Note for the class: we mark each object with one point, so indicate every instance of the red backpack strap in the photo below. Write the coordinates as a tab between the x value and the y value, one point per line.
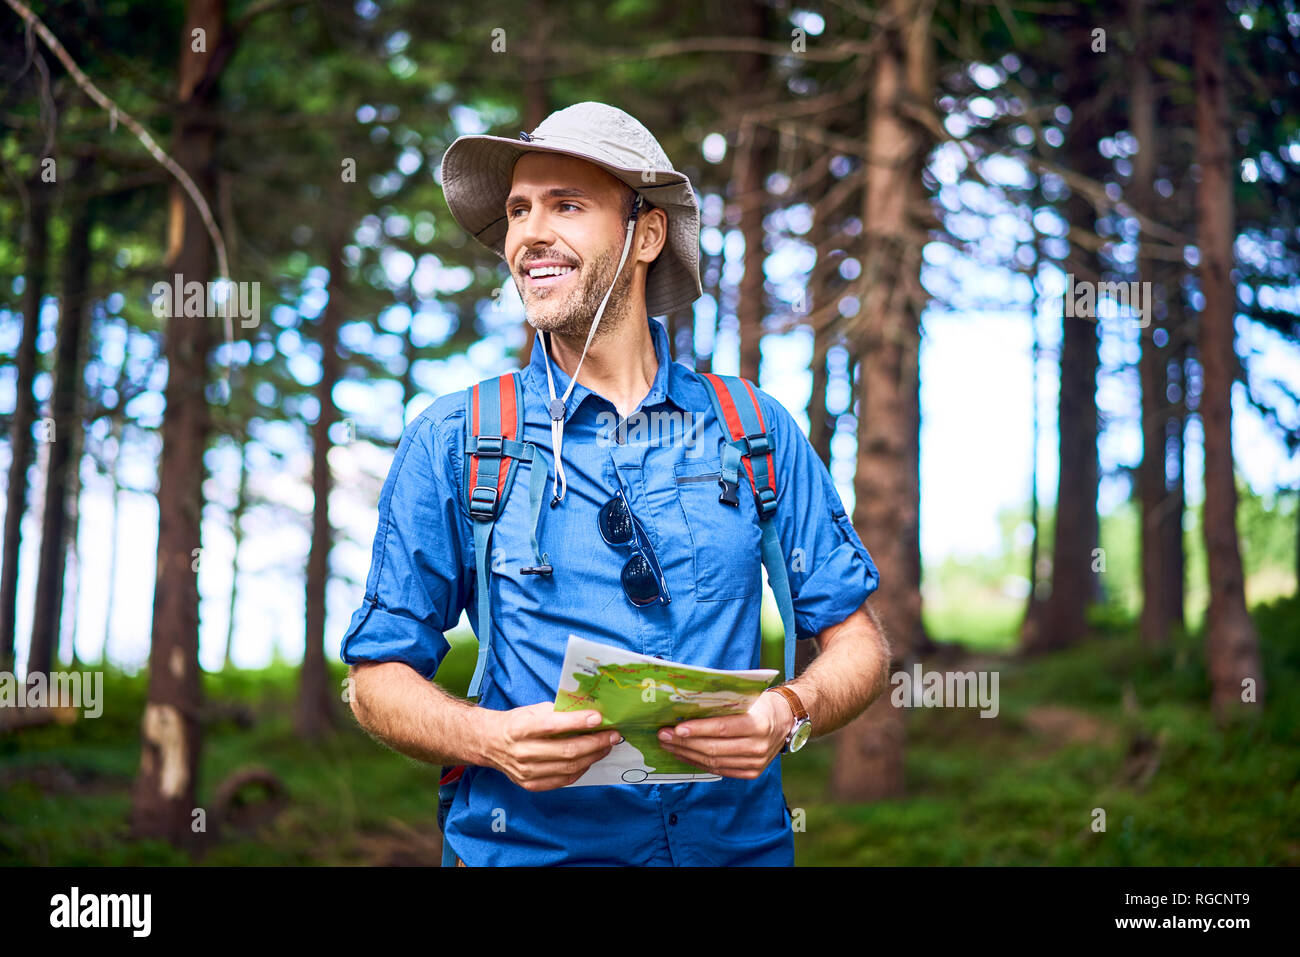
492	449
736	405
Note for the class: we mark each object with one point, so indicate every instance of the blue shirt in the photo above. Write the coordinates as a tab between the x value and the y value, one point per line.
422	577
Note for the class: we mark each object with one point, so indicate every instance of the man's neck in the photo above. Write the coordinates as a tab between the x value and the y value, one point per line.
620	365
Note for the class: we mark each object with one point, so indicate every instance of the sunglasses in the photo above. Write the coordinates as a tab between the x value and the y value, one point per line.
643	579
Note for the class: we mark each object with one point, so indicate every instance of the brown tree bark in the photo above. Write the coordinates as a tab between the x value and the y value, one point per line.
821	424
537	107
35	274
822	287
1063	619
316	713
886	338
1154	623
60	474
752	156
1231	645
164	796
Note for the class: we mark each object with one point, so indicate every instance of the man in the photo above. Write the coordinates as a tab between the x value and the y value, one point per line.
559	205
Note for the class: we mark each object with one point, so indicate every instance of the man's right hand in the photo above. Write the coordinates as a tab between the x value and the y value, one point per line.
523	744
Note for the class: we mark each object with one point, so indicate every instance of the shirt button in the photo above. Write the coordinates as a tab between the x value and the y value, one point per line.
672	819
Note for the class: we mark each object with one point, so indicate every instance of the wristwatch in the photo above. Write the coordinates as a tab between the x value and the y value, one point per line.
802	729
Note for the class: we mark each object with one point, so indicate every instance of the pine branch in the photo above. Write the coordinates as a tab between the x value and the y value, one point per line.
156	151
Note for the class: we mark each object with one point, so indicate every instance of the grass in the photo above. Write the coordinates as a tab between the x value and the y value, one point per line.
1016	789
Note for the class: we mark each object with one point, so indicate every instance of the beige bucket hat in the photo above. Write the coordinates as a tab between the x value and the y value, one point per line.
477	169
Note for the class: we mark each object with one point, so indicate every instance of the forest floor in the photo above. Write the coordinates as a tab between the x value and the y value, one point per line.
1107	725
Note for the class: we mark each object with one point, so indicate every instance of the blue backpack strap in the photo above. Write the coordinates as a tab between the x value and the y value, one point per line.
448	782
735	403
493	424
493	450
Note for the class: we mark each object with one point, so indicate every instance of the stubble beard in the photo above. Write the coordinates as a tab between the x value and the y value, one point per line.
570	316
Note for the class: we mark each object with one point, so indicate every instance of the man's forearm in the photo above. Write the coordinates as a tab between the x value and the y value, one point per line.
851	671
415	717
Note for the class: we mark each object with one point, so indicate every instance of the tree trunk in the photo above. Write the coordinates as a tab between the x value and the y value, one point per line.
1171	528
1064	618
751	160
537	107
1231	645
35	266
72	540
119	430
821	424
886	337
52	563
315	703
164	797
1031	623
1153	364
711	284
237	533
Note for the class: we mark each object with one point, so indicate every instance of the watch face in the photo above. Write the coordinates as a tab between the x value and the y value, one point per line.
800	736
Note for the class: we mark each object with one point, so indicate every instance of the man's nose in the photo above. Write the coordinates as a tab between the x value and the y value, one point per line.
534	229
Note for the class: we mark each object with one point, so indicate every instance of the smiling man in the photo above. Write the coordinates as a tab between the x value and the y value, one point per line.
601	233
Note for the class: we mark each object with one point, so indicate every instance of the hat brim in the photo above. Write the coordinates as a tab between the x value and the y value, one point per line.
476	175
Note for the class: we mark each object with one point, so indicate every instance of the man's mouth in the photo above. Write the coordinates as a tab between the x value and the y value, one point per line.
543	277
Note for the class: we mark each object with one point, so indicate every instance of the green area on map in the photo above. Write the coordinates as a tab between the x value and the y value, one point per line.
640	698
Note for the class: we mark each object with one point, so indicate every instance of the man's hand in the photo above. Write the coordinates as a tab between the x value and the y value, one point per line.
523	745
737	745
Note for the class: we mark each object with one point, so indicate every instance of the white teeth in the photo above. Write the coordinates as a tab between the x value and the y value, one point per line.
549	271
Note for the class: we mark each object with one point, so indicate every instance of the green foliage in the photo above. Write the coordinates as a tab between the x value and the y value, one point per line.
976	601
1001	792
982	791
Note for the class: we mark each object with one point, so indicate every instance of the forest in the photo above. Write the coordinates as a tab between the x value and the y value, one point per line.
1027	273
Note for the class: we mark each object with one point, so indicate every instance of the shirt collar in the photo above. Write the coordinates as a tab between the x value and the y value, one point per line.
671	382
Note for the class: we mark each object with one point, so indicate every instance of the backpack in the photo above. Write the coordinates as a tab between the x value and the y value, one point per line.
492	456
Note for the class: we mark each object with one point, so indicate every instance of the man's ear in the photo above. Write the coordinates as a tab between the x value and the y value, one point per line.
653	230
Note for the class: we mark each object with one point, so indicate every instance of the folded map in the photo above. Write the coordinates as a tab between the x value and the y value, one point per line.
640	694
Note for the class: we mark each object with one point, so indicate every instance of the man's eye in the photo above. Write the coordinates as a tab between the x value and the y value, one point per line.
510	214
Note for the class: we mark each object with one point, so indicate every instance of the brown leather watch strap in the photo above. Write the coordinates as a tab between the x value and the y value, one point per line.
800	712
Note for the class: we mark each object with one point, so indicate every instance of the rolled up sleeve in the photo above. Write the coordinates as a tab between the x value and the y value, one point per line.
831	571
417	585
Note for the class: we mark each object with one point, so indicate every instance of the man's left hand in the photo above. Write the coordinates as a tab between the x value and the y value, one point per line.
736	745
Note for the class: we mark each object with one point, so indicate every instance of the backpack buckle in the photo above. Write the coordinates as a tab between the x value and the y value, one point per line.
483	502
729	489
488	446
758	444
766	502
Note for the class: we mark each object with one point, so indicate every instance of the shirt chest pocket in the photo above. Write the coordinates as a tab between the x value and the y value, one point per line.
726	540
